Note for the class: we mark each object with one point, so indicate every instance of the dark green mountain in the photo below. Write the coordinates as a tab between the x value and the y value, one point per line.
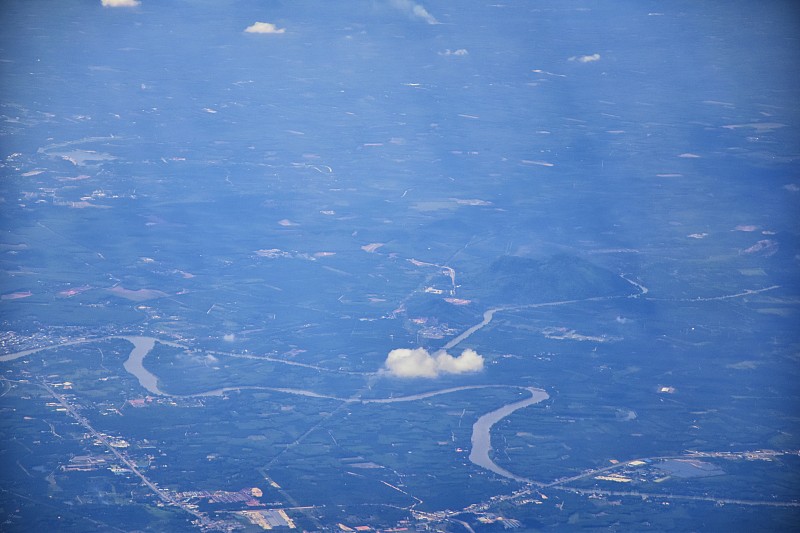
520	280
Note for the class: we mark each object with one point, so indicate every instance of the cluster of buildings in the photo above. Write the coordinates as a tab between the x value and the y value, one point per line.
246	496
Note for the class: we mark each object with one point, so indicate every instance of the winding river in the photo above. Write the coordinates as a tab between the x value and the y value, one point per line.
481	430
482	434
480	453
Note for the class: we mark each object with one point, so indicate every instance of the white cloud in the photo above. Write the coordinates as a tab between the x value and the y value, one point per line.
419	363
459	52
120	3
585	59
414	10
264	27
416	363
468	361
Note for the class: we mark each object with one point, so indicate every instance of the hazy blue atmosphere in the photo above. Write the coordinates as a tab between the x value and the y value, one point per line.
383	265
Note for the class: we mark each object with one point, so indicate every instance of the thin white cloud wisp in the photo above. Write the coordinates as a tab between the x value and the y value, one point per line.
414	10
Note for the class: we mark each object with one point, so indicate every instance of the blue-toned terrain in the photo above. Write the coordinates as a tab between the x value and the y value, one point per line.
384	265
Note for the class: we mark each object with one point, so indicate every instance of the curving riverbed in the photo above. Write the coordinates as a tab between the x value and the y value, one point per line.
482	434
481	430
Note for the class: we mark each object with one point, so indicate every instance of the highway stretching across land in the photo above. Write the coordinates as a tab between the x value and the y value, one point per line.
162	494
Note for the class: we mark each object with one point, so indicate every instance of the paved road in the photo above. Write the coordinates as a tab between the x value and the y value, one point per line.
162	494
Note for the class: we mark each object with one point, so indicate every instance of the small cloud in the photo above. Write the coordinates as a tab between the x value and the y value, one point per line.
585	59
414	10
264	27
416	363
120	3
419	363
468	361
459	52
745	227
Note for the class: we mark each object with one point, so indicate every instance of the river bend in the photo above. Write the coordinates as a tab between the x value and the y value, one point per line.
481	430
